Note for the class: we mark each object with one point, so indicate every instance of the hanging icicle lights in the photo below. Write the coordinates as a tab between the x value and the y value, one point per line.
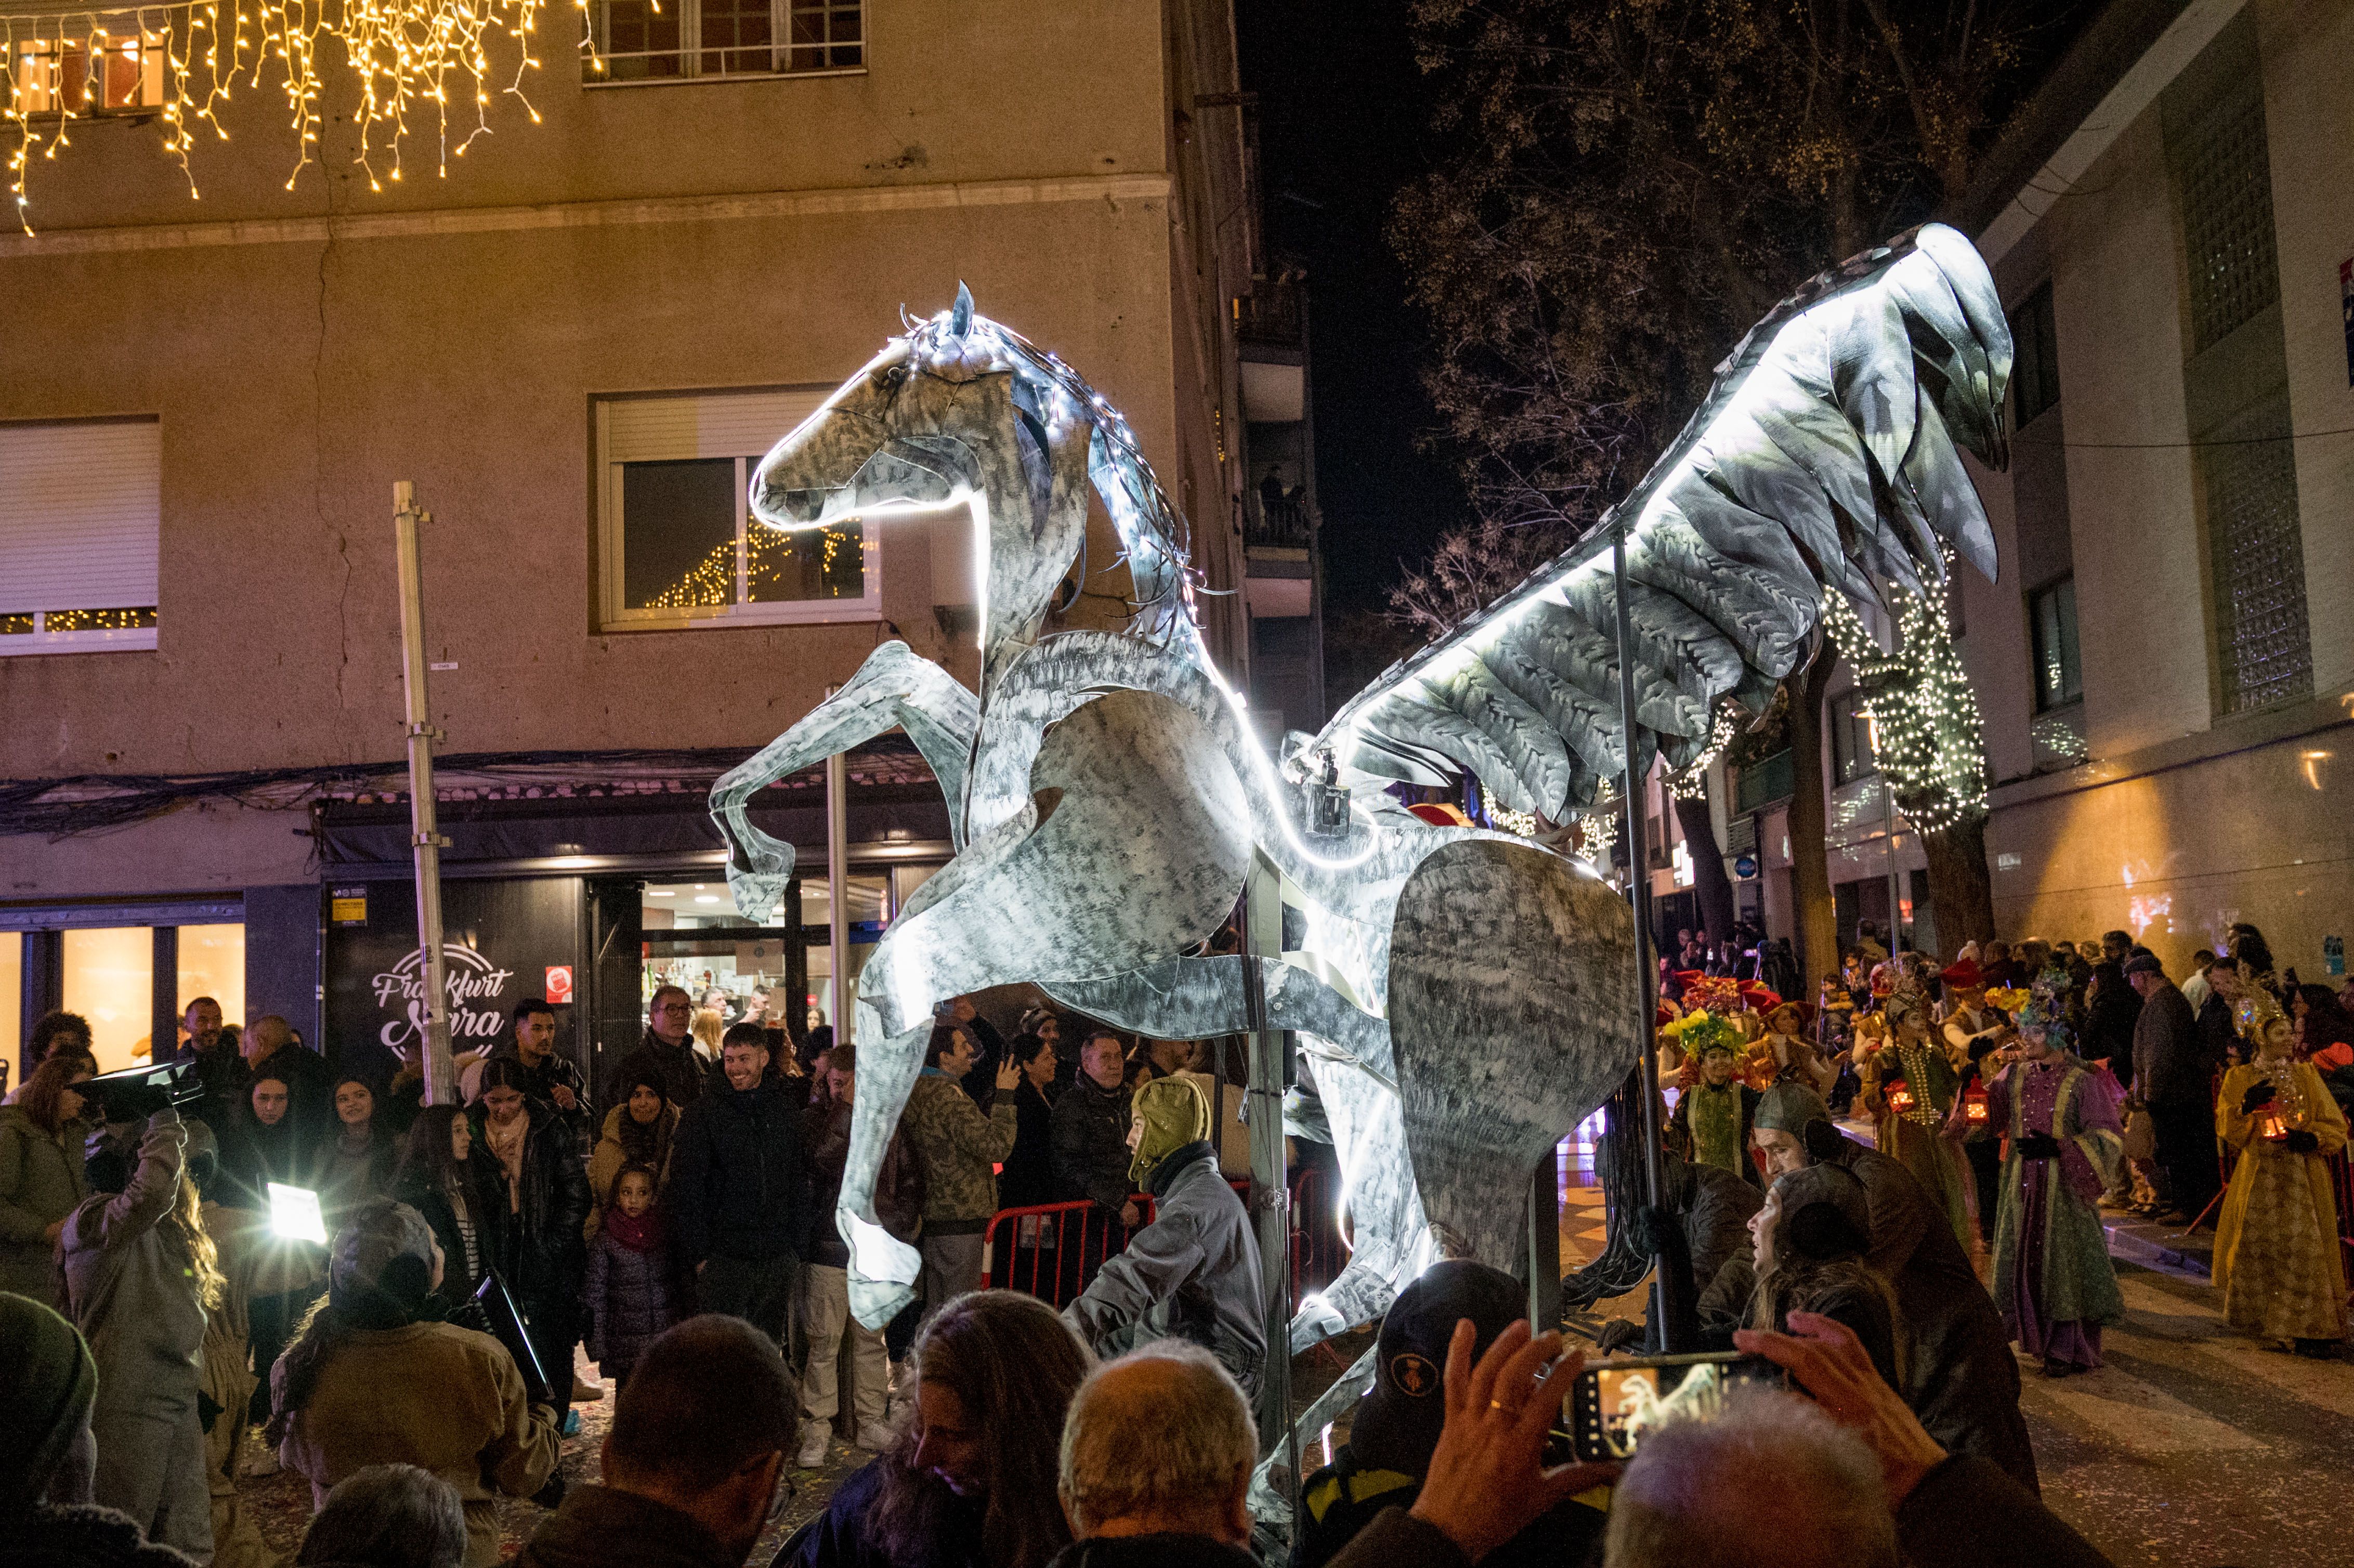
410	60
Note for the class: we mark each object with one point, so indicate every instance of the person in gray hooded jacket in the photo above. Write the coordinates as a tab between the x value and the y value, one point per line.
141	1274
1193	1273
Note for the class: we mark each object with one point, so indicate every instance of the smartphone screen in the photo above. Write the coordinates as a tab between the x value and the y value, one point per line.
1613	1403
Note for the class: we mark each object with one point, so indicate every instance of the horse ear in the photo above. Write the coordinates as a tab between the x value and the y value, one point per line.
961	314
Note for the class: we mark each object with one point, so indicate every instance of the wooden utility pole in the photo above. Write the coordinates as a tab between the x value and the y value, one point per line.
424	833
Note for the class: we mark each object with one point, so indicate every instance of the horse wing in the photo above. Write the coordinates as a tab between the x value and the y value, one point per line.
1823	459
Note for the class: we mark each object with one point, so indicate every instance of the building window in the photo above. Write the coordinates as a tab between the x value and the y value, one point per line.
2264	645
1850	739
2224	182
646	40
2035	361
2052	617
78	509
98	73
680	545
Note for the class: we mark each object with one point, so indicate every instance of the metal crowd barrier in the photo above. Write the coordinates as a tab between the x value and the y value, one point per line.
1053	1250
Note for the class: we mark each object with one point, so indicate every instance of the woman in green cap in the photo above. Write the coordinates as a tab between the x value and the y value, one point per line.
1193	1273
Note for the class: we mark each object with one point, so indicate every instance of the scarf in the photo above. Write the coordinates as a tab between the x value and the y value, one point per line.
644	1234
507	1142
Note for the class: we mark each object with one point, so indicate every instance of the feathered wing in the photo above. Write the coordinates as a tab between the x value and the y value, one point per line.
1824	459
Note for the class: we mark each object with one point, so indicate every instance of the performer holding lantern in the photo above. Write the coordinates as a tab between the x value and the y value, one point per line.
2052	1279
1909	1087
2276	1248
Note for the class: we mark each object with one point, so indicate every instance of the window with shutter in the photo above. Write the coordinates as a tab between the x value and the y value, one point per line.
78	509
680	544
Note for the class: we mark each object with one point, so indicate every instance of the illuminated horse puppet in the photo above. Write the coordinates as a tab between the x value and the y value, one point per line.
1465	998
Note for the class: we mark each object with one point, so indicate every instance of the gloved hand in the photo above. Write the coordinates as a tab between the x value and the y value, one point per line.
2303	1142
2039	1146
2257	1095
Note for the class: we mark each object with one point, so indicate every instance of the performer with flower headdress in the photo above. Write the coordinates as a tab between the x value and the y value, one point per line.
1712	1119
2276	1249
2052	1279
1909	1087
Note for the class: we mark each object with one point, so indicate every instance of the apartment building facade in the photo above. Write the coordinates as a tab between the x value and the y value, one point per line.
573	345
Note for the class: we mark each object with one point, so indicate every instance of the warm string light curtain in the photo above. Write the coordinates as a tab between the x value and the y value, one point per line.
408	61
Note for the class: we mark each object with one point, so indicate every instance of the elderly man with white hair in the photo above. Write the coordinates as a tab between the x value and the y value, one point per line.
1156	1464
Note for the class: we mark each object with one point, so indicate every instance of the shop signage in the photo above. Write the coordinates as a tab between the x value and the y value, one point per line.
1744	866
559	992
478	991
501	939
348	906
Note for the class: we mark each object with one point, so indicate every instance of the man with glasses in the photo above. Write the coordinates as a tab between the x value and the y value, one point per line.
666	1052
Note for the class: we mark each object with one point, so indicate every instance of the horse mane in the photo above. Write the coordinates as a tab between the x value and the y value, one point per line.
1157	537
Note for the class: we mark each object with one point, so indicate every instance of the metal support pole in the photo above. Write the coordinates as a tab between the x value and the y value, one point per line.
1262	934
837	879
424	833
1888	843
1639	875
1544	1244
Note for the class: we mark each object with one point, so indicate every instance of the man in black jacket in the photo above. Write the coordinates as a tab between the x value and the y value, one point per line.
1091	1131
737	1188
2109	1023
2174	1078
666	1052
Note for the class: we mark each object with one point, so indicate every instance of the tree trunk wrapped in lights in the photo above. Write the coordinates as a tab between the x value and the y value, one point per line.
1930	748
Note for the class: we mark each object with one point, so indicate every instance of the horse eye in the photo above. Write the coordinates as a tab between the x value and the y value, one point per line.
894	378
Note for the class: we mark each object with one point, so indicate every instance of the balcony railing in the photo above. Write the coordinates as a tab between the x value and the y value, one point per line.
1282	525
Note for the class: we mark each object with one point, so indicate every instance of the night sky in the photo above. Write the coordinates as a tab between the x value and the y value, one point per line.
1342	118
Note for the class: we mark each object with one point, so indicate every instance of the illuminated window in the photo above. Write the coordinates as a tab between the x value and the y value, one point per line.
2051	619
12	989
78	510
96	73
680	545
109	979
675	41
212	963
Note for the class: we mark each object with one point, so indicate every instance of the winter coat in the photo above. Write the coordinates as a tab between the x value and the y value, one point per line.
537	1246
127	1280
1960	1377
2109	1021
435	1395
738	1184
40	1184
1191	1274
2172	1065
555	1072
960	1147
597	1526
344	1182
605	1164
844	1535
632	1295
682	1074
225	1078
83	1535
310	1090
1029	1176
1090	1141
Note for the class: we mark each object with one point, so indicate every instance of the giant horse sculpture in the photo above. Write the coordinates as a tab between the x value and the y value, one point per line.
1465	997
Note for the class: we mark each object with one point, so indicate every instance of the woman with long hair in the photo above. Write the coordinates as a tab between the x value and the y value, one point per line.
638	1132
141	1274
1810	1242
971	1483
374	1379
537	1195
2323	1030
41	1180
355	1165
439	1178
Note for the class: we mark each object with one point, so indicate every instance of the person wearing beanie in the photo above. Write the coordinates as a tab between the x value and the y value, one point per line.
141	1275
1396	1425
1960	1377
48	1384
374	1380
1193	1273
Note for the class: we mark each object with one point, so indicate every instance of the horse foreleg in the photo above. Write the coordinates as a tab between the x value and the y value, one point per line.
893	689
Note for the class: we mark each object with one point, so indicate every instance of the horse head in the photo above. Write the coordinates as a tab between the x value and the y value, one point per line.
953	414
